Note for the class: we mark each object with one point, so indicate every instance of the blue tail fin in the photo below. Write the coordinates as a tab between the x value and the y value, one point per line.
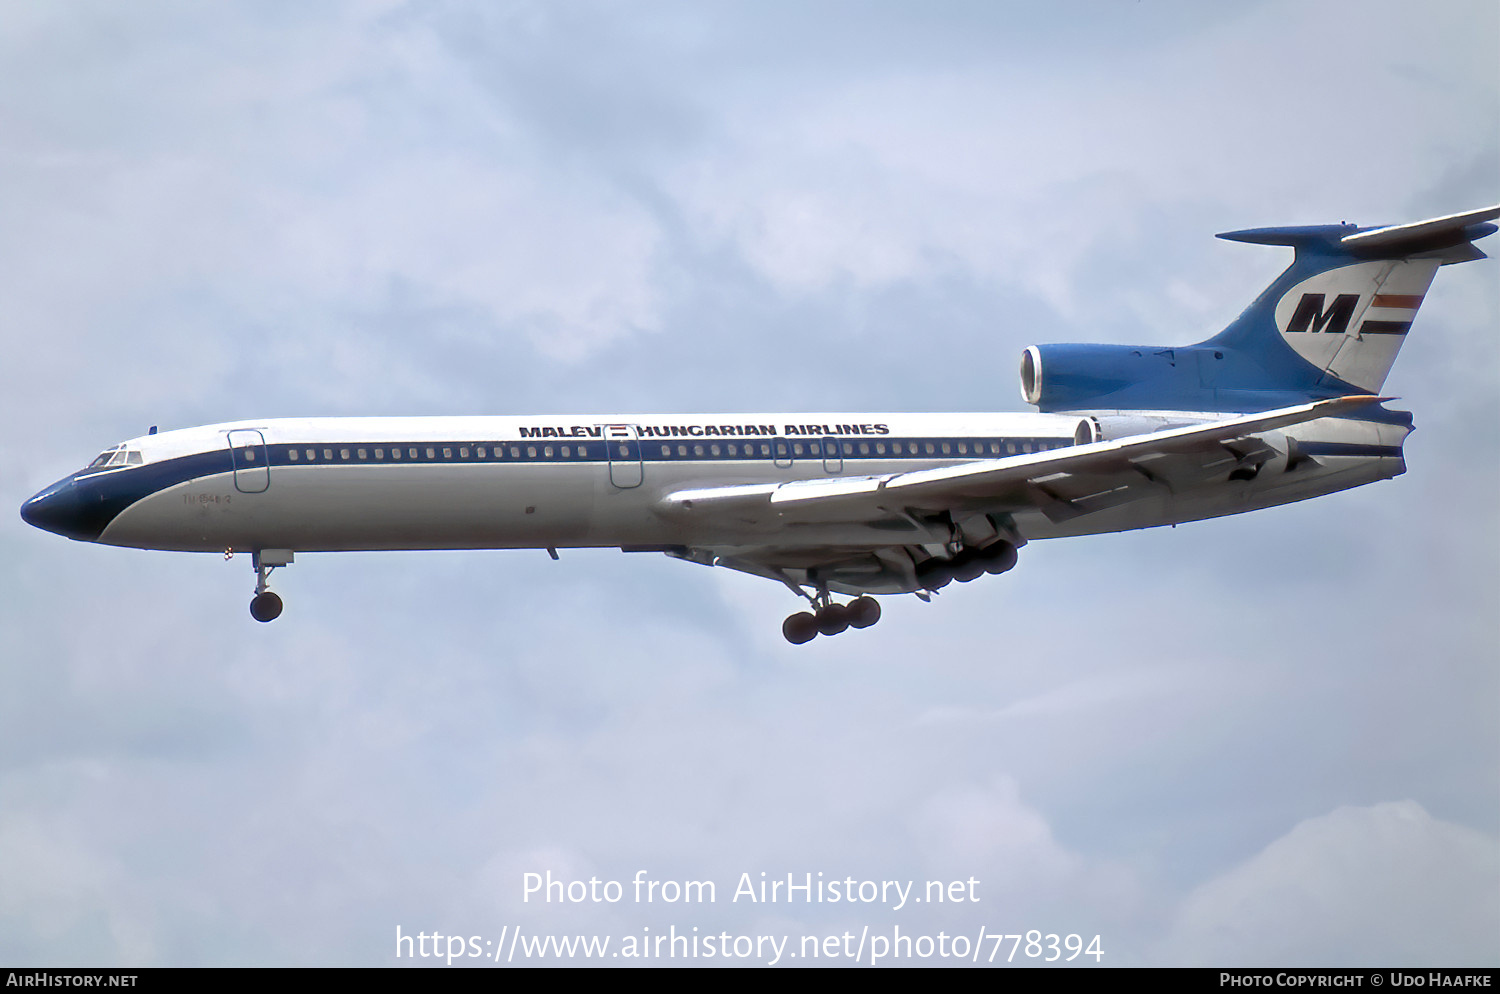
1329	326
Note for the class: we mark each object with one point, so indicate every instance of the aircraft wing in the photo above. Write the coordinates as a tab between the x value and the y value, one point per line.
1061	483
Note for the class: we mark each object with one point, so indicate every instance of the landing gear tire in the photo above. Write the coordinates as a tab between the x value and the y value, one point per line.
863	612
830	618
1000	558
936	576
833	619
265	607
799	628
967	567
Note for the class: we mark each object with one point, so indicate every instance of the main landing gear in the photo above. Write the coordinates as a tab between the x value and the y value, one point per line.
829	618
266	606
969	564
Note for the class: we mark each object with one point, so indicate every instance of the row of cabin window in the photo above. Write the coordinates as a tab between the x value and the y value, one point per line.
893	449
733	450
412	452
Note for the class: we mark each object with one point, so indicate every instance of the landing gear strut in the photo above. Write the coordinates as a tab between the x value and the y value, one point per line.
266	606
828	618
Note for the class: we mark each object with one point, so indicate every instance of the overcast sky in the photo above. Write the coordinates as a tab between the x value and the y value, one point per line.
1270	739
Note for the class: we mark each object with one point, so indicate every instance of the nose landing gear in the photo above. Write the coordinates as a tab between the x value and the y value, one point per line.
266	606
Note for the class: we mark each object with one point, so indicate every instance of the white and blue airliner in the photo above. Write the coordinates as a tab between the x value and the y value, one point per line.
1280	406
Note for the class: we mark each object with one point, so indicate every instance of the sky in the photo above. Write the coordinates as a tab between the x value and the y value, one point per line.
1263	740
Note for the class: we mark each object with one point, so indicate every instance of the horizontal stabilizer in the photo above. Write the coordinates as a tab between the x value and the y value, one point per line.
1437	232
1452	231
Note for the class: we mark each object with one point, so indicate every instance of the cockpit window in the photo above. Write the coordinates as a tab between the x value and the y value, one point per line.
117	456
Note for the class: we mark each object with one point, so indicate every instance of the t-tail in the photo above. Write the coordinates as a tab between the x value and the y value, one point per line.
1330	326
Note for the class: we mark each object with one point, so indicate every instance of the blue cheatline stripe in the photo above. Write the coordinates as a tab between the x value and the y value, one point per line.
651	450
102	494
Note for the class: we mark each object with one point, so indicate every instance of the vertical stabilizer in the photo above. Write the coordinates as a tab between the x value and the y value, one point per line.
1345	305
1331	325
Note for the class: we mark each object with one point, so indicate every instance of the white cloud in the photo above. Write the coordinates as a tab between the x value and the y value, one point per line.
1387	885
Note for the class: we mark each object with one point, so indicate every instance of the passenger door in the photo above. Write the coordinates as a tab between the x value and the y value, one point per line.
252	465
833	459
623	443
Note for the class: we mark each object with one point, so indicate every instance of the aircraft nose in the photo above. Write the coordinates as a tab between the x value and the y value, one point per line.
59	509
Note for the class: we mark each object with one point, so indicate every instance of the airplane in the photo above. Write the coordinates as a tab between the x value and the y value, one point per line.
1278	407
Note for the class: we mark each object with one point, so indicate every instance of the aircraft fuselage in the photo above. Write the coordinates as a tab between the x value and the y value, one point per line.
345	484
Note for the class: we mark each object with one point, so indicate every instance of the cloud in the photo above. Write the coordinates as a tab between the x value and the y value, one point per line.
1386	884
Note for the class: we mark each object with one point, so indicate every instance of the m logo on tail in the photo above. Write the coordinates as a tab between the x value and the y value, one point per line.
1310	316
1350	321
